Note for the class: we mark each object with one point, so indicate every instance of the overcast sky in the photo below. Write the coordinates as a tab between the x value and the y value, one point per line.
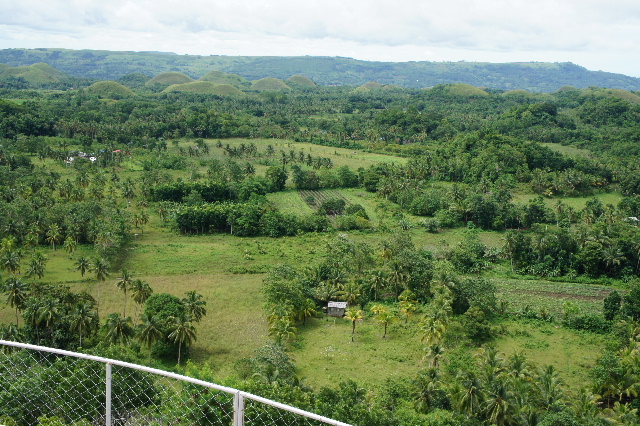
597	34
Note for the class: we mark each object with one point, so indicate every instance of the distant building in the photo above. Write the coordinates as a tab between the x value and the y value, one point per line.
336	309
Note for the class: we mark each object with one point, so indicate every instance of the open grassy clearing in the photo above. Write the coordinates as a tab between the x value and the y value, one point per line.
567	150
228	272
572	353
577	203
327	355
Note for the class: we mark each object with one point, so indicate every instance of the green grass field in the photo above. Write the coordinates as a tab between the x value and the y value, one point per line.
228	272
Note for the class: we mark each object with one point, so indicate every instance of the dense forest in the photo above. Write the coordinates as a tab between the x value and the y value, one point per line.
532	76
458	189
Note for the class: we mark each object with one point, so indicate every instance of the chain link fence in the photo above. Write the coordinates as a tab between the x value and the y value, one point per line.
39	383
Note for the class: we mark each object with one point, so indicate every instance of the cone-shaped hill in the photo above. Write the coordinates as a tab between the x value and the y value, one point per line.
220	77
300	81
460	90
168	78
269	84
613	93
34	75
205	88
110	90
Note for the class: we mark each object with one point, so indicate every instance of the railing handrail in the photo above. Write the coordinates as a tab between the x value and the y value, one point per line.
176	376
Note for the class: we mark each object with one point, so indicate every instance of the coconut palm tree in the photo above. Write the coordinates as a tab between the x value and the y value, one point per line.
350	293
70	245
10	261
36	265
140	292
469	398
50	311
378	281
12	333
194	305
354	315
434	353
83	319
119	329
549	386
385	317
282	329
16	292
432	330
83	265
124	283
497	406
101	268
182	332
307	310
149	331
398	277
54	235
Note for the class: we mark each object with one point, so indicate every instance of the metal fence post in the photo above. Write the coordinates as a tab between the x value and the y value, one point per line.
107	408
238	409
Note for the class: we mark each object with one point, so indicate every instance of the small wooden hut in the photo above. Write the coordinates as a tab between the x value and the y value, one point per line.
336	309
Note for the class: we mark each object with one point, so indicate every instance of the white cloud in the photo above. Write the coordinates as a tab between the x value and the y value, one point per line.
592	33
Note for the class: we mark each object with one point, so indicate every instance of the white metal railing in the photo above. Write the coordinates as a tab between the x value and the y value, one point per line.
154	391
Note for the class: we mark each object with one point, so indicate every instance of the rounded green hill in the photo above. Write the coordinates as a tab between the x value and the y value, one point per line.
372	85
110	90
460	90
220	77
169	78
616	93
300	81
269	84
205	88
35	75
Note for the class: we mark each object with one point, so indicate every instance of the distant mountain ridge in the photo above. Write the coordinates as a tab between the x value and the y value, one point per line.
530	76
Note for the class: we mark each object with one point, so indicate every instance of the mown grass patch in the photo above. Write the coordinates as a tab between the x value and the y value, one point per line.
327	356
577	203
572	353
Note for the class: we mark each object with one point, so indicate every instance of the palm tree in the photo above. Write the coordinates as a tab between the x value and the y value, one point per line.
469	398
307	310
140	292
70	245
119	329
10	261
398	277
385	318
83	319
83	265
16	292
497	407
432	330
50	311
350	293
549	386
407	309
124	283
32	314
12	333
282	329
54	234
36	265
149	332
354	315
377	281
194	305
101	269
182	332
434	354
